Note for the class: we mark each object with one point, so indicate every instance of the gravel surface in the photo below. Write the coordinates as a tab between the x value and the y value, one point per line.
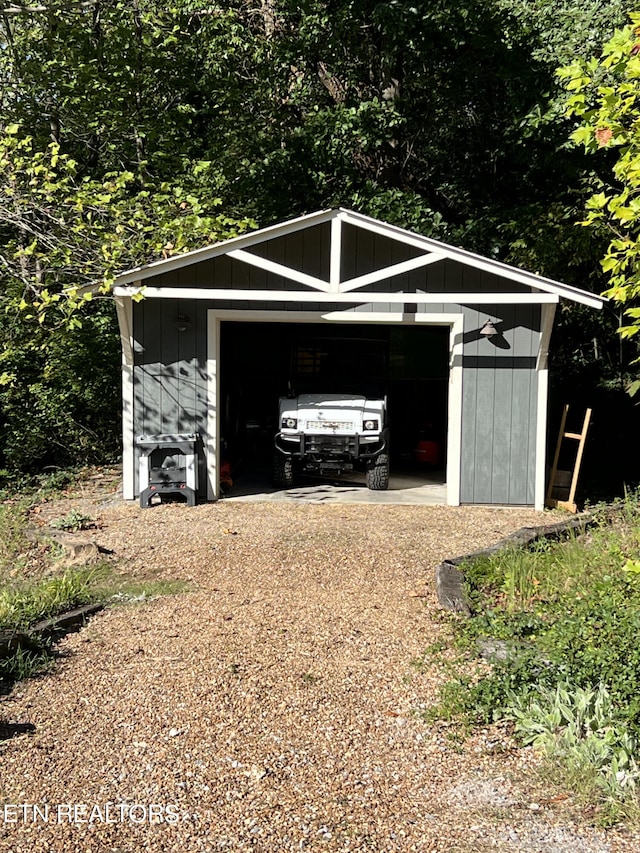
272	707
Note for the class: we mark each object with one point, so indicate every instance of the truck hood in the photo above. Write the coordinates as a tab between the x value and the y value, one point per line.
332	401
345	412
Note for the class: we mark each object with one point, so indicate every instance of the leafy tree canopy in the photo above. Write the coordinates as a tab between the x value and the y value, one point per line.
132	130
604	94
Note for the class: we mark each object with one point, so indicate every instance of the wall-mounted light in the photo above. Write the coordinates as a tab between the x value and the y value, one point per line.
489	330
183	324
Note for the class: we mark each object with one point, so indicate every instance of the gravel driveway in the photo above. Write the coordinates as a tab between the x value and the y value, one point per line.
273	706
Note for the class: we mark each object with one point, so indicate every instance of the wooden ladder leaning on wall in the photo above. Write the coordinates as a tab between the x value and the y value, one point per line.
562	484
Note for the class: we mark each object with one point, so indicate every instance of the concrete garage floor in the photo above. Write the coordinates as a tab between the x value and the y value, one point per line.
417	489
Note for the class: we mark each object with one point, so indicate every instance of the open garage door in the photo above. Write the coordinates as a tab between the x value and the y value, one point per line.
260	362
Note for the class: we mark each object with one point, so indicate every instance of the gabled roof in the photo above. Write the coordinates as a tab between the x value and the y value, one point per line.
430	251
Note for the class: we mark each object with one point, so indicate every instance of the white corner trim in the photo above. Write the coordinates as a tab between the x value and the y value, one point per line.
542	373
212	442
548	316
335	254
124	310
454	416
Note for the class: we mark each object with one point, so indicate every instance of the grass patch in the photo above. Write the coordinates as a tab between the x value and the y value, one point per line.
26	663
561	622
24	603
35	585
13	521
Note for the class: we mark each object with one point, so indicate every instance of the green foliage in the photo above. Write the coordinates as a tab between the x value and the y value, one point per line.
605	97
13	521
59	389
102	167
559	625
26	663
73	521
135	131
583	728
23	603
65	231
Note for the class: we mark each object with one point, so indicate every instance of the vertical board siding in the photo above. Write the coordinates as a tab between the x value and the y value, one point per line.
524	433
469	410
500	406
503	415
170	383
306	251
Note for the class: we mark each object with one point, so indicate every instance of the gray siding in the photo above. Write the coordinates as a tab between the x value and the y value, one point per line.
499	378
170	380
499	407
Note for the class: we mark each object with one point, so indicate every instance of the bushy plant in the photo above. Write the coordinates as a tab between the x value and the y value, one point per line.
583	727
565	618
73	521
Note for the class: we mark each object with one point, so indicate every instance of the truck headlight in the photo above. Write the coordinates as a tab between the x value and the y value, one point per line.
289	423
370	425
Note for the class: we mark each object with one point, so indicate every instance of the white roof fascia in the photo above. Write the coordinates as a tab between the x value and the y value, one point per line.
207	252
477	261
360	220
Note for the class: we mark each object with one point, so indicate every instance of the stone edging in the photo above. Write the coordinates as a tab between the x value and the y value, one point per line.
450	579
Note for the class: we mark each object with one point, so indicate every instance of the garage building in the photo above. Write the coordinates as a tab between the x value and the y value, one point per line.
337	301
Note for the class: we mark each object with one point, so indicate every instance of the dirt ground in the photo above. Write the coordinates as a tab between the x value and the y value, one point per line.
275	705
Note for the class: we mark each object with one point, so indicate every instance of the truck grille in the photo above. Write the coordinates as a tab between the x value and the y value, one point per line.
325	425
330	446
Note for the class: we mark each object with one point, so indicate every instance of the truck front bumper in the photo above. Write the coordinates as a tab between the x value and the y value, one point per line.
330	449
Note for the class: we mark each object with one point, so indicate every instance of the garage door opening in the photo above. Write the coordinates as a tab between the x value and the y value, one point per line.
260	362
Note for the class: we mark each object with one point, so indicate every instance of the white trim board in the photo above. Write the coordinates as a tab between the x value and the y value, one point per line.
124	310
473	260
542	373
454	425
318	297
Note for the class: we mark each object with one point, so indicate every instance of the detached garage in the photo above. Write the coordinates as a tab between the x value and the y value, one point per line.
337	301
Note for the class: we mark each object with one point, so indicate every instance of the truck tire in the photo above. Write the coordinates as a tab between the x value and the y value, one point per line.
377	475
282	471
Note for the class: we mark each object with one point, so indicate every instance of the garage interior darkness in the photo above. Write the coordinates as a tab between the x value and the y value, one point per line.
261	362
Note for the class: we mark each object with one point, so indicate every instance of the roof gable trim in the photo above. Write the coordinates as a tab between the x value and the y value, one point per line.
433	251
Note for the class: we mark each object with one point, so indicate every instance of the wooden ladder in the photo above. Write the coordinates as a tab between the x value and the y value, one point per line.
562	484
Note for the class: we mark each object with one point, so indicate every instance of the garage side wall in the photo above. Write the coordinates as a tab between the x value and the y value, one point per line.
499	407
